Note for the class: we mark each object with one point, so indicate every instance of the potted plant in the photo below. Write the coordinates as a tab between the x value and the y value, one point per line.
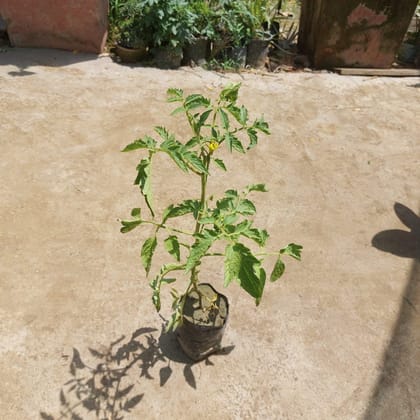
263	13
197	50
170	24
234	24
127	29
220	227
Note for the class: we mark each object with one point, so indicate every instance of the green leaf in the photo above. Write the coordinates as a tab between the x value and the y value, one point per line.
224	119
233	143
230	218
243	115
178	110
164	134
147	251
256	187
241	265
225	204
253	138
246	207
203	118
293	250
172	246
186	207
192	142
260	236
168	280
235	112
198	250
278	270
143	180
261	125
220	163
207	220
175	95
136	212
144	143
195	162
195	101
231	193
230	92
129	225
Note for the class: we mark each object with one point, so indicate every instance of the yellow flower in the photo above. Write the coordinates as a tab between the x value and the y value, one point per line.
213	146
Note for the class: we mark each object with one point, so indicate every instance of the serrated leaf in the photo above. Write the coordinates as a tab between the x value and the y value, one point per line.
256	187
293	250
220	163
203	118
253	138
224	119
241	265
230	92
243	115
175	95
261	125
193	160
192	142
172	246
195	101
260	236
144	182
164	134
246	207
186	207
233	143
198	250
144	143
278	270
147	251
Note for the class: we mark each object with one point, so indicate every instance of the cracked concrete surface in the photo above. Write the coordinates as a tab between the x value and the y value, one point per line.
336	338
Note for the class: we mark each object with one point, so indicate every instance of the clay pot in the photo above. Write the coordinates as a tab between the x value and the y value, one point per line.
130	55
204	321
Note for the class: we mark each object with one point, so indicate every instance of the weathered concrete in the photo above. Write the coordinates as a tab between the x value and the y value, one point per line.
79	25
354	33
336	338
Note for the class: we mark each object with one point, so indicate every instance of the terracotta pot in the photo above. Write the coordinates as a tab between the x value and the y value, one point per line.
203	324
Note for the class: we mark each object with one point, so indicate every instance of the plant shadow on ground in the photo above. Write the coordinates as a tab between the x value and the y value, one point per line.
396	392
105	390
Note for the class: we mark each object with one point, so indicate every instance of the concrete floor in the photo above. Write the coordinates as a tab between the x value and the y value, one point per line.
337	338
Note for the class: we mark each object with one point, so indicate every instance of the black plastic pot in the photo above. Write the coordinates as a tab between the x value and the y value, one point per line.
199	337
196	52
167	57
238	55
257	53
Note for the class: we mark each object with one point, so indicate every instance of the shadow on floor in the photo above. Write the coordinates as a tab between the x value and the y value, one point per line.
105	388
396	395
25	58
